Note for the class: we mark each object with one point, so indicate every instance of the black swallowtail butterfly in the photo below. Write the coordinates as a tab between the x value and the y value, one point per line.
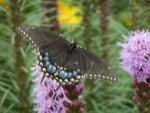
63	61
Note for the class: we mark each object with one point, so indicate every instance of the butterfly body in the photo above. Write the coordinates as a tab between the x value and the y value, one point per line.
63	61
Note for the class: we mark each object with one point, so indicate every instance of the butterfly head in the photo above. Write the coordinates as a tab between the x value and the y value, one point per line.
72	47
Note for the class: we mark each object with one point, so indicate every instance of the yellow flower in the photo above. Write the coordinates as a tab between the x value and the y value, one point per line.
3	4
1	1
68	14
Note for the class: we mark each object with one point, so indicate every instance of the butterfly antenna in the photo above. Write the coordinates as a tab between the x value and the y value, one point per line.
42	78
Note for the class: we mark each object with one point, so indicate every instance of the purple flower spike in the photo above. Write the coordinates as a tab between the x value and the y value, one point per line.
46	99
73	92
79	88
135	55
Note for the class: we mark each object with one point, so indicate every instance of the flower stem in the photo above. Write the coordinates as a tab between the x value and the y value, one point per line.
142	96
86	23
104	23
23	105
134	14
73	91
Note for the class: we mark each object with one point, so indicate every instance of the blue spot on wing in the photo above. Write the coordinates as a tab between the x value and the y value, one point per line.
74	73
49	68
46	54
46	59
78	70
70	74
47	64
61	73
65	75
53	69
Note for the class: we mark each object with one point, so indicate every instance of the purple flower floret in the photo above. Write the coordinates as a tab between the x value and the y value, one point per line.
46	99
135	55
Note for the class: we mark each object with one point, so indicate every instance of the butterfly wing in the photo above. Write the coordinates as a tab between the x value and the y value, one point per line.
90	65
98	67
43	40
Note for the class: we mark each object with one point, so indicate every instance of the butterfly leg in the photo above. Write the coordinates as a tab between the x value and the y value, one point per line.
57	88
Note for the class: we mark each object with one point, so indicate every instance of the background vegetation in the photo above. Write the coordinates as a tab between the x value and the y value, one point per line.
95	24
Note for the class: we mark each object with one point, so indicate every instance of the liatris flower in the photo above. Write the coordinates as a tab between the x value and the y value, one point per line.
73	92
47	100
66	99
135	55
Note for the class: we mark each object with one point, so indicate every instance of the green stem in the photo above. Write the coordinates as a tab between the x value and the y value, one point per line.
134	14
21	79
88	10
86	22
104	24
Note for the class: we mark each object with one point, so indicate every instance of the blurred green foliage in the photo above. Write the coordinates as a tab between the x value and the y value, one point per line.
99	97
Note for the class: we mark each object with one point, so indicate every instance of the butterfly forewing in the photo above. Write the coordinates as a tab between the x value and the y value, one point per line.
46	41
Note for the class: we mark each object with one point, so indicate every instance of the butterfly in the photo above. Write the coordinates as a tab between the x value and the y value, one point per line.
64	61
